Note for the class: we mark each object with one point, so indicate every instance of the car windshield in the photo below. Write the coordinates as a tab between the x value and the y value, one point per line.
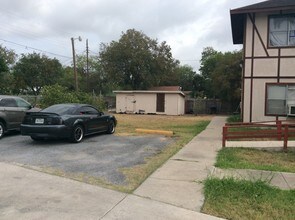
64	109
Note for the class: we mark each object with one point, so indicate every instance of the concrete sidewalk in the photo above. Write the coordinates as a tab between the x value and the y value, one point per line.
28	194
281	180
179	181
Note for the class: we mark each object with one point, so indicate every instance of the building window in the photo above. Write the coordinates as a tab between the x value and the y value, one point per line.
279	98
282	31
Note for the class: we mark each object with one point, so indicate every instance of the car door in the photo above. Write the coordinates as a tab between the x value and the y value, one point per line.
95	121
11	113
22	108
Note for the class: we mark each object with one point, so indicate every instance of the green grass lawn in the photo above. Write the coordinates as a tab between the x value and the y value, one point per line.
234	118
247	158
240	199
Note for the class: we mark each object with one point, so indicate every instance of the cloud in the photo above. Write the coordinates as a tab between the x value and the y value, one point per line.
187	26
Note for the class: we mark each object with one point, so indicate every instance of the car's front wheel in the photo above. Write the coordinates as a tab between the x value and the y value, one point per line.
111	128
77	134
1	130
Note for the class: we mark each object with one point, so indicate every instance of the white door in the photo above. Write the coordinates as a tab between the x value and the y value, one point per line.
130	104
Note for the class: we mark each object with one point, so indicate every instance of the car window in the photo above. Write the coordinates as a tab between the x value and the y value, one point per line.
88	110
8	102
61	109
22	103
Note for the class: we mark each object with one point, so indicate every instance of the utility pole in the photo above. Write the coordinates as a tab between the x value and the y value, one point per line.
87	63
74	61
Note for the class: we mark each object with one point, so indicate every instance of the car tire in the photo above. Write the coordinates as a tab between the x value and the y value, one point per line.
111	127
36	138
77	134
2	130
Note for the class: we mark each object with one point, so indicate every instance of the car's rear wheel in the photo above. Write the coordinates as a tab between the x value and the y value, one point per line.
77	134
2	129
111	128
37	138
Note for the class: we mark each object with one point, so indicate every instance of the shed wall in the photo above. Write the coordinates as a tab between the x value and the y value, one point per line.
147	103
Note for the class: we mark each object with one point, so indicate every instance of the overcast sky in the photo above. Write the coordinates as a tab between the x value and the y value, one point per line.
48	25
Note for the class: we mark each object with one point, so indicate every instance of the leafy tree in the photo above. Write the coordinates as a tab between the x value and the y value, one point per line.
7	56
185	77
34	71
7	59
220	75
3	65
67	78
198	86
137	61
226	78
209	62
96	79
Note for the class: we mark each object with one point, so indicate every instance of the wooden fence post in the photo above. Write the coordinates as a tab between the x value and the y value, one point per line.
224	135
286	134
279	129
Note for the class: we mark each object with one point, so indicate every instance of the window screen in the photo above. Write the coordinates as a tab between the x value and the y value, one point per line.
282	31
279	98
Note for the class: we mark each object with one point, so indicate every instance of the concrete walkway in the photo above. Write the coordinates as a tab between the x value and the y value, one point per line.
281	180
179	181
28	194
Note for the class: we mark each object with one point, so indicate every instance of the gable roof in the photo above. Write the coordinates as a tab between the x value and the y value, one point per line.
266	6
238	15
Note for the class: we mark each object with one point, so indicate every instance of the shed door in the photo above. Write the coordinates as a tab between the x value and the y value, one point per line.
130	103
160	102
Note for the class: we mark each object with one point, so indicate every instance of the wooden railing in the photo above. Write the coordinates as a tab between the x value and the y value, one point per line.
279	130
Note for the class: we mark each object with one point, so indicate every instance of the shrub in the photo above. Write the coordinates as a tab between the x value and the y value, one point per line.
234	118
56	94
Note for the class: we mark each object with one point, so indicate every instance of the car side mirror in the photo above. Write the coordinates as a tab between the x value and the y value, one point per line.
101	114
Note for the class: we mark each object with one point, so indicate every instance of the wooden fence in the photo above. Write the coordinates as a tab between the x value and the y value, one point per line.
278	130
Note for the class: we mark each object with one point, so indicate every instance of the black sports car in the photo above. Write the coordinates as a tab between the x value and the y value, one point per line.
73	121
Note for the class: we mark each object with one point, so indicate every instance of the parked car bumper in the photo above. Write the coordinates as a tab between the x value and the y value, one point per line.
46	131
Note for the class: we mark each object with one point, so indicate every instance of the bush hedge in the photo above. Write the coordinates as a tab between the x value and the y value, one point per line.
56	94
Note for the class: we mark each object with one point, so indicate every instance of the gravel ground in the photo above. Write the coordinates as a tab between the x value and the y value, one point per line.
98	156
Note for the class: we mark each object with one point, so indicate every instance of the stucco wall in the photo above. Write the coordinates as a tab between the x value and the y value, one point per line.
174	104
147	103
276	66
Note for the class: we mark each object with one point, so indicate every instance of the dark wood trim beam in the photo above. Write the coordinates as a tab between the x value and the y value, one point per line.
258	34
271	57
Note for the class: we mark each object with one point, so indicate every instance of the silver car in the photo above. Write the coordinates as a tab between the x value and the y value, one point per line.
12	112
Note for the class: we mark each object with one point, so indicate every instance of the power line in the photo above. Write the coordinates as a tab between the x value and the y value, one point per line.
20	27
32	48
189	60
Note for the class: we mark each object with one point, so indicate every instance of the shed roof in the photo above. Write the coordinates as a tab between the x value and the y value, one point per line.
166	88
148	92
238	15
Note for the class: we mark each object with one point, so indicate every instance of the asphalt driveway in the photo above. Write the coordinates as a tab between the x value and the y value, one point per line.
98	156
